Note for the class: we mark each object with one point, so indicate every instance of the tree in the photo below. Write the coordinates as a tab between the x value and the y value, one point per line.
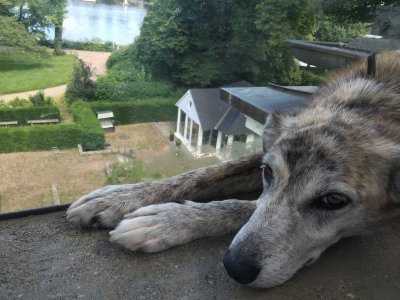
208	43
352	11
81	86
329	30
14	37
37	16
6	6
183	41
56	16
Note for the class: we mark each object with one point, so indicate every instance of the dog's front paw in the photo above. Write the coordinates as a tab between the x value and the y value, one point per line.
156	227
105	207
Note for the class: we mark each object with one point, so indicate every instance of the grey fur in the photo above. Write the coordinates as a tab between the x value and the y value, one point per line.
347	142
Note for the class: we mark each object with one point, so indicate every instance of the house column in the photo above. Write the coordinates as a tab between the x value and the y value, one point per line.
199	139
249	141
185	130
210	136
190	133
230	140
219	141
178	124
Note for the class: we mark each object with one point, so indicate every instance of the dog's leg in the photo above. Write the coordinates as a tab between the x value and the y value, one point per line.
159	227
107	206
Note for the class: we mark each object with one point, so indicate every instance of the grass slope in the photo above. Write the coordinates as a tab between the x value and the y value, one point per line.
19	75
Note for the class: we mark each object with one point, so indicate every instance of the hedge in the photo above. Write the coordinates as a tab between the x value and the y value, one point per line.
22	114
43	137
92	133
139	111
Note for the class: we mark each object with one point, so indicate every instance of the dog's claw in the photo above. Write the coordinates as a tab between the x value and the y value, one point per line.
105	207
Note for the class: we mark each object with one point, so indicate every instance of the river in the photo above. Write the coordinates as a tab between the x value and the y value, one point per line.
116	23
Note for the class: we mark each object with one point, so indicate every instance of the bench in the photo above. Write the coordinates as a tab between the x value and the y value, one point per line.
10	123
42	122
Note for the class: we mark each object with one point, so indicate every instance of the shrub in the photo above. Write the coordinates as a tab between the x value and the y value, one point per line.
89	45
313	76
109	88
40	100
123	55
81	85
22	114
131	173
92	133
17	102
34	138
139	111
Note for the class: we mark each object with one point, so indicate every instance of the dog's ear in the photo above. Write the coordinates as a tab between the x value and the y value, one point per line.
273	129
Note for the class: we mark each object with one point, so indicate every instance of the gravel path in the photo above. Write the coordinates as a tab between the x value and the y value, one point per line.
96	60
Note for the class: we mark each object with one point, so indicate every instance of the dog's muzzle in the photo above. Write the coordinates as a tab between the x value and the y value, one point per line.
240	268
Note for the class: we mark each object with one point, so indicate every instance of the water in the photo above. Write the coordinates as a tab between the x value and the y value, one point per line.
116	23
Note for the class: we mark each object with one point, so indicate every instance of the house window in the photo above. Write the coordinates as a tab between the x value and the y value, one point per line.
190	104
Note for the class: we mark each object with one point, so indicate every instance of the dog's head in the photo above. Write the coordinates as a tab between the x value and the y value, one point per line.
326	175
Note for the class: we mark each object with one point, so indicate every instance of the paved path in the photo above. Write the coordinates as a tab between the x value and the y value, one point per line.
96	60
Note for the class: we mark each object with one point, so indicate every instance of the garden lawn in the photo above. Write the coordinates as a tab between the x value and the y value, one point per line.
21	76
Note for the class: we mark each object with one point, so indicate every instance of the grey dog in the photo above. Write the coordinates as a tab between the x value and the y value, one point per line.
328	172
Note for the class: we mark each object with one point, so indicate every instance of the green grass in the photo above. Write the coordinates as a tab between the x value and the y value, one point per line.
20	75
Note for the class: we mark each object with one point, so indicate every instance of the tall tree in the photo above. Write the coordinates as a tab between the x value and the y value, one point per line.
38	15
184	40
14	37
57	14
279	21
353	11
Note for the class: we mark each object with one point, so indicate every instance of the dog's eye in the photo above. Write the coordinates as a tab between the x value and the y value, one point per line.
332	202
267	171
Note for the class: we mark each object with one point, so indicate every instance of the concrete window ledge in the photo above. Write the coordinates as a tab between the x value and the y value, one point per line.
44	257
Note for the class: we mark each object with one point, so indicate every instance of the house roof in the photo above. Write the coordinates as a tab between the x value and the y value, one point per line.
233	122
258	102
208	107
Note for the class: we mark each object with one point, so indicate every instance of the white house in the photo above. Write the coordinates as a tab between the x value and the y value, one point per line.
228	122
207	125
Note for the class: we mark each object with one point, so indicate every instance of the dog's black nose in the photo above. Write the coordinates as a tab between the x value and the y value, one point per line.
239	268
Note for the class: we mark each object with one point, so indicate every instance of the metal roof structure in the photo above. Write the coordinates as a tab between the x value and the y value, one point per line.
259	102
233	122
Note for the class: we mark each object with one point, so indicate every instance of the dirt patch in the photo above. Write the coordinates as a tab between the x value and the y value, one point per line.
27	177
158	154
96	60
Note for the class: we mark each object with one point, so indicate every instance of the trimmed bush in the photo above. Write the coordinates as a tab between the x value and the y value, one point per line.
92	133
108	87
139	111
89	45
44	137
22	114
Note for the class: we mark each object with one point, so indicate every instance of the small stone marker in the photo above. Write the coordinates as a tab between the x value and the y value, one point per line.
56	197
55	150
